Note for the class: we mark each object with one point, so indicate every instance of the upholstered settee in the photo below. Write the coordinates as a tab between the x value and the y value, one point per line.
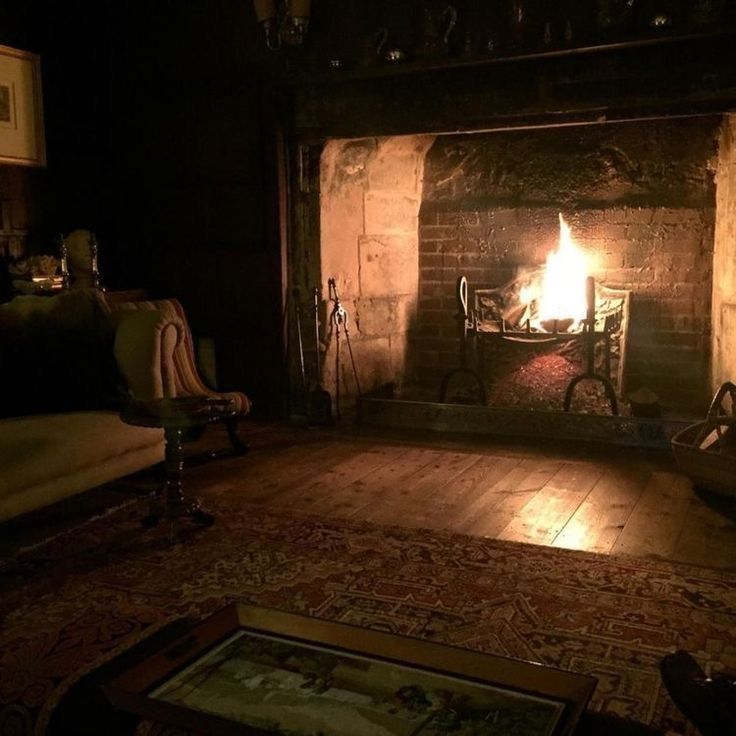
62	359
67	365
49	457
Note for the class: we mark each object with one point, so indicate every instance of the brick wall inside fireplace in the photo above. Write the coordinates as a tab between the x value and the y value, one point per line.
640	200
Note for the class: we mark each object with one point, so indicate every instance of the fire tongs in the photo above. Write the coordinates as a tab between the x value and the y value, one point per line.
339	319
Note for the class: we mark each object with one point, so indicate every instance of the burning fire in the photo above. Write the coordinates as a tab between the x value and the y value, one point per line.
561	295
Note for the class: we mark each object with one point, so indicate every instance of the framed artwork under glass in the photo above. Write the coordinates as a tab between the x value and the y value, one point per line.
22	139
256	671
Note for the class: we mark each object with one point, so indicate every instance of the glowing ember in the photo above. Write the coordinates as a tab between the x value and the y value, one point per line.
562	295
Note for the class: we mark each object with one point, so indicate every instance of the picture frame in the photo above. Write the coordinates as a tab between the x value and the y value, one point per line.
22	138
250	670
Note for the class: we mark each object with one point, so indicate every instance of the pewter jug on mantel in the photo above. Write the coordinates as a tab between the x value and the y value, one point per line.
439	23
374	46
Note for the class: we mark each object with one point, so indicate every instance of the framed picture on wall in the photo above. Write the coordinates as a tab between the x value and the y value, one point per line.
22	138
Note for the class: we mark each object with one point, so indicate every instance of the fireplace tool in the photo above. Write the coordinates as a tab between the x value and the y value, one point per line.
339	319
319	408
467	323
300	341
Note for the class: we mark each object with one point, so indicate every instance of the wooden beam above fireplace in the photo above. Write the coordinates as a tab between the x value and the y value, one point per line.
652	78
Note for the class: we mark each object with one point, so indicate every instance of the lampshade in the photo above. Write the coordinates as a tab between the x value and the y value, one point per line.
265	9
301	8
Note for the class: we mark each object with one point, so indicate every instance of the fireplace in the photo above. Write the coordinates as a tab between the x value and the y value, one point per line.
398	219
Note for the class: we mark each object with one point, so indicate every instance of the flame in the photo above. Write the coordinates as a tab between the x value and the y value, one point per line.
527	294
563	285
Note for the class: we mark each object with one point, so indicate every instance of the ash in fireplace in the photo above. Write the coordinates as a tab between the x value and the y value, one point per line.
525	367
535	378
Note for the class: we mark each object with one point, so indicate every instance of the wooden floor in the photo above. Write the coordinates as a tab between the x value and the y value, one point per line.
610	501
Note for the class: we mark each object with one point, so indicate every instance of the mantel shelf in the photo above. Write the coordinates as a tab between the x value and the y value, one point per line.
389	70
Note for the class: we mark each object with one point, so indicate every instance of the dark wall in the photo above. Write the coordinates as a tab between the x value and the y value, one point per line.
71	39
160	137
15	24
190	184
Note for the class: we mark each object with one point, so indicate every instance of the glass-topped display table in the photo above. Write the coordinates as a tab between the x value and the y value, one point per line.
248	670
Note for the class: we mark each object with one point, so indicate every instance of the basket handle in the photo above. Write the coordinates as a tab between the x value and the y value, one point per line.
717	414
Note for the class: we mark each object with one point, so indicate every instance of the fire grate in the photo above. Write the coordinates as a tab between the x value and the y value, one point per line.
502	314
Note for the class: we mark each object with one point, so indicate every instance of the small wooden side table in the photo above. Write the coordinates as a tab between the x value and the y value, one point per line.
176	416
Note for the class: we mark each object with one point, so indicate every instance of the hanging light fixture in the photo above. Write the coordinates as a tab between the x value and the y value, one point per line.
283	21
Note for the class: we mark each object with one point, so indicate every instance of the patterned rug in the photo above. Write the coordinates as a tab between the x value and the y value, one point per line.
74	603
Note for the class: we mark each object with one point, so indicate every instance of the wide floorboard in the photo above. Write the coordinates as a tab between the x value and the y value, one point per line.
604	500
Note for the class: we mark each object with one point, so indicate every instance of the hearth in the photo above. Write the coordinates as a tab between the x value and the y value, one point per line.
400	220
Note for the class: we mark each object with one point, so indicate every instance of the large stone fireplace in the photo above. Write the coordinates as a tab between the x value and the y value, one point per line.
403	217
396	217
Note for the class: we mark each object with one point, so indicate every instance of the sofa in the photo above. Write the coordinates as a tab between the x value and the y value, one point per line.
48	457
68	363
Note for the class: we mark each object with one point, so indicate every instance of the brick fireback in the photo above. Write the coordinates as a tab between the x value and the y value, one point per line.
640	198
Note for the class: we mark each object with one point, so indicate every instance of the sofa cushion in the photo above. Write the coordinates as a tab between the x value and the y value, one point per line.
57	354
45	451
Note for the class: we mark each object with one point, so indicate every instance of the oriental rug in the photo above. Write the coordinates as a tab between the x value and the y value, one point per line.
74	603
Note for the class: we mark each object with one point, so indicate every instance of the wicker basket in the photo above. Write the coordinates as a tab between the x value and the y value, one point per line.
706	451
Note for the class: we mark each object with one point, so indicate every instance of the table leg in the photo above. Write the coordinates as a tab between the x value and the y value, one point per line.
174	505
173	467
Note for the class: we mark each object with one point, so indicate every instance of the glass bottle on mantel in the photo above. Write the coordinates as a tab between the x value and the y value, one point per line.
64	263
517	28
439	23
526	26
567	23
616	19
558	32
94	262
707	14
490	22
658	16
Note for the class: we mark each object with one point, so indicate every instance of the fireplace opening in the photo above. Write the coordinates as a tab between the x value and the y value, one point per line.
643	210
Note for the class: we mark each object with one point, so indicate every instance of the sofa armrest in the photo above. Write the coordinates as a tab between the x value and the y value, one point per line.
144	347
